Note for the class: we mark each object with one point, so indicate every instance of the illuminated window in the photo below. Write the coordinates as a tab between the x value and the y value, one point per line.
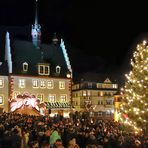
50	84
101	93
100	102
108	113
61	85
46	70
40	97
1	99
75	103
63	98
107	93
35	83
114	85
51	98
84	93
109	102
1	83
88	93
77	86
15	94
42	84
43	69
106	85
99	85
21	83
58	69
100	113
25	66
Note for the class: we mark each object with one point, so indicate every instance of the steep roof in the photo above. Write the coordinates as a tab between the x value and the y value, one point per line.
97	77
24	51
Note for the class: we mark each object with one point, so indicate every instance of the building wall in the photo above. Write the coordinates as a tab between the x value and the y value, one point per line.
4	93
10	87
42	88
94	96
102	98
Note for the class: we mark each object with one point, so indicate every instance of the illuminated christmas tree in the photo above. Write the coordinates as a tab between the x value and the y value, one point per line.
134	108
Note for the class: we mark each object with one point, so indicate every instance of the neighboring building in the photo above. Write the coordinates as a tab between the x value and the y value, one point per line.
94	97
41	70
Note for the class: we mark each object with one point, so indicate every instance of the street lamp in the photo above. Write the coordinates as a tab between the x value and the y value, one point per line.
117	100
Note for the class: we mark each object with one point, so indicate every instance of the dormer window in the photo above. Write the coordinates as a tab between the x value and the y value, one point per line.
25	66
58	69
43	69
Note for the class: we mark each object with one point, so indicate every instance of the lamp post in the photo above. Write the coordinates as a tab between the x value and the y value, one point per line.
69	76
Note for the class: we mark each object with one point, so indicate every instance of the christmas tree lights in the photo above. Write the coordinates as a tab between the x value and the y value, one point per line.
134	107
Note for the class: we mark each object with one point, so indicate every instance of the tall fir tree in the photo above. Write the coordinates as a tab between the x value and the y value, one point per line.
134	107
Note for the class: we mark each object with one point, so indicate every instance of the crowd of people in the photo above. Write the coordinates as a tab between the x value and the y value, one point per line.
25	131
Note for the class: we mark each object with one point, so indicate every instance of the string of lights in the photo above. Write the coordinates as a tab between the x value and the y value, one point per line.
134	107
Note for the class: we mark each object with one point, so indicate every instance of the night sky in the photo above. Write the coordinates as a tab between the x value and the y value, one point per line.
99	36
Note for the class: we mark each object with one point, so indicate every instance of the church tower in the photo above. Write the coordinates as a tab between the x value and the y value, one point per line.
36	29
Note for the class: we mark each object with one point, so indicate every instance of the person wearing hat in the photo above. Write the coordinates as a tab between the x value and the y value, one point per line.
54	136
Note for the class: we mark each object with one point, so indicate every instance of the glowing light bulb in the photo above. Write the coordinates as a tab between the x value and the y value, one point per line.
144	42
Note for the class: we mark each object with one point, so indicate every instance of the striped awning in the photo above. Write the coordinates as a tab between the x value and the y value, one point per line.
57	105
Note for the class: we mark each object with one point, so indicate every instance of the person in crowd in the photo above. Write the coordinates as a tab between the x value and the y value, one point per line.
78	131
73	144
58	144
54	137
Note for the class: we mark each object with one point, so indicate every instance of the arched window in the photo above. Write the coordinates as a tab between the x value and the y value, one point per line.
58	69
25	66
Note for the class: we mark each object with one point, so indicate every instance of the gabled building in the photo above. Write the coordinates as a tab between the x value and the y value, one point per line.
95	98
42	70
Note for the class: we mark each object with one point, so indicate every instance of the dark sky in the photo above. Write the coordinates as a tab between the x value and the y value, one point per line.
98	34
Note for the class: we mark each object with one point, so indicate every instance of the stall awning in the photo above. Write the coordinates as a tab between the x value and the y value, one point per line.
57	105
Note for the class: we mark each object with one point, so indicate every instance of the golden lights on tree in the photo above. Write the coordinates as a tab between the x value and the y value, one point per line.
134	108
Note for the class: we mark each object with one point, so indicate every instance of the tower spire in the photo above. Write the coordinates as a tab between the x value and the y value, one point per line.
36	12
8	57
36	29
